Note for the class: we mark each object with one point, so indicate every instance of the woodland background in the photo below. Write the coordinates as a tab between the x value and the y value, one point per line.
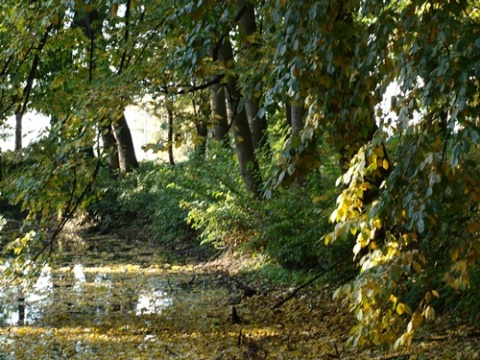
287	151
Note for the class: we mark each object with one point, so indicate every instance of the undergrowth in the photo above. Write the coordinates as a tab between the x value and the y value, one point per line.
206	195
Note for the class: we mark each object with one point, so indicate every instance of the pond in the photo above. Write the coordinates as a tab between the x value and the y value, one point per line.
105	296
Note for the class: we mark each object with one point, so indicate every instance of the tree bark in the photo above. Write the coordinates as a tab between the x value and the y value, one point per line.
110	146
171	159
297	113
257	124
18	130
219	114
22	109
249	168
201	113
248	27
126	152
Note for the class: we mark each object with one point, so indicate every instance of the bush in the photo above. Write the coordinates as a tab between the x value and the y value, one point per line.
219	208
143	198
295	221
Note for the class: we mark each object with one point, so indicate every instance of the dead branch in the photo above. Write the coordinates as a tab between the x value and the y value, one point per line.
309	282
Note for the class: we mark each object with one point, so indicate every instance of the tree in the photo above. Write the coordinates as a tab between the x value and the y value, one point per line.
219	114
323	67
242	134
345	55
126	152
396	228
249	43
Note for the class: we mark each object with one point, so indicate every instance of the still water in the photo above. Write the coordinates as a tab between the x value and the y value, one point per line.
84	291
95	292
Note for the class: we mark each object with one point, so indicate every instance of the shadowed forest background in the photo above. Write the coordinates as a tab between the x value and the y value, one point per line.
333	144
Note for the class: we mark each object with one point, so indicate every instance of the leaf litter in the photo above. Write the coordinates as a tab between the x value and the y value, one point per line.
125	299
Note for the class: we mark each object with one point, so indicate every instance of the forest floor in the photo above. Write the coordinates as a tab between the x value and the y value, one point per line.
125	297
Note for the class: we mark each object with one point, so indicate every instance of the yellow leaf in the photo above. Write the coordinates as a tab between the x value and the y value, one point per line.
429	313
416	266
379	151
400	308
333	216
377	224
461	265
317	199
385	164
435	293
365	186
455	254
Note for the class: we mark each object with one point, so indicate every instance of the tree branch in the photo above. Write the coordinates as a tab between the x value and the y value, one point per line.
187	89
219	42
126	36
309	282
33	70
70	212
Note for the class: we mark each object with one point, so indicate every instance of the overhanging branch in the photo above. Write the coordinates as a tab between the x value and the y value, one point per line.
187	89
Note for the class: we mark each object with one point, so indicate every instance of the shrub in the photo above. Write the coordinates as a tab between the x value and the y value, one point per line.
143	198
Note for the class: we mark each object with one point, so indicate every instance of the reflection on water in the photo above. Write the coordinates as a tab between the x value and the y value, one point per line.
25	307
152	302
81	291
99	297
79	274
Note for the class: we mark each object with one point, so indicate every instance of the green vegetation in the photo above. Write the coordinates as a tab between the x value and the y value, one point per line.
291	157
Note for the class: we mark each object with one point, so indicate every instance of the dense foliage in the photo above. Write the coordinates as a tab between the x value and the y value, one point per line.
291	91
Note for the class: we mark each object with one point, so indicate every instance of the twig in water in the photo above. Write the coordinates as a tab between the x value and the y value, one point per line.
309	282
219	356
289	344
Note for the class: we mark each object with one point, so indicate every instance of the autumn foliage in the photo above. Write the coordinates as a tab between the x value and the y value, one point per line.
313	131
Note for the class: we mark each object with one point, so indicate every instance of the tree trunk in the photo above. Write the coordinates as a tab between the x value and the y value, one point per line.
126	152
202	134
257	124
249	167
110	146
18	130
248	27
297	113
201	126
171	160
219	114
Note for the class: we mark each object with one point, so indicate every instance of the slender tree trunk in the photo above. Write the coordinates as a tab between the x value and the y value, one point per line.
202	134
288	114
126	152
219	114
248	27
248	163
18	130
110	146
249	167
21	310
201	126
297	113
257	124
22	109
171	159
